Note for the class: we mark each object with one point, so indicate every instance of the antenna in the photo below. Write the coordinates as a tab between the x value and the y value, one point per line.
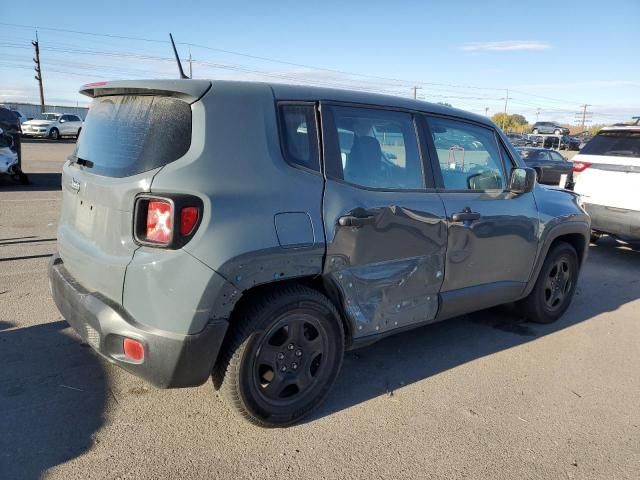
173	44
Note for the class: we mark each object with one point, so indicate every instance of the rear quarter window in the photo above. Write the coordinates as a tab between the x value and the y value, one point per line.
127	135
299	136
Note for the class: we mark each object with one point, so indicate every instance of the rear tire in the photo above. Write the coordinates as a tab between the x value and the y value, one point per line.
555	286
283	356
54	134
557	132
595	236
535	131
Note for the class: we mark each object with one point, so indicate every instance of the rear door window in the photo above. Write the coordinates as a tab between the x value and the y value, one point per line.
556	157
376	148
126	135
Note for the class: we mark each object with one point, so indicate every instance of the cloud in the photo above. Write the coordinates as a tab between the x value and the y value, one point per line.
506	46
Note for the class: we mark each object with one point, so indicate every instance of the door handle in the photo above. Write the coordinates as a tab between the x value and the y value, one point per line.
465	216
355	221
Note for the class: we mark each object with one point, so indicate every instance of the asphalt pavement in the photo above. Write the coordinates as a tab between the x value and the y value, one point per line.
482	396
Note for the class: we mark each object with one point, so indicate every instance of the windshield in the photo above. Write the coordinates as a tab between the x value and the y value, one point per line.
617	143
48	116
126	135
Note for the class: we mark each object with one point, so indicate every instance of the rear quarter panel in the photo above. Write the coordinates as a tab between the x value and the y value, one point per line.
239	172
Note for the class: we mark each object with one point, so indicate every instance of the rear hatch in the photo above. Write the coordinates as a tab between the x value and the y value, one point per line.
131	131
607	169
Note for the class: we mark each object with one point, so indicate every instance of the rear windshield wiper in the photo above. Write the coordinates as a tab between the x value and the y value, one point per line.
84	163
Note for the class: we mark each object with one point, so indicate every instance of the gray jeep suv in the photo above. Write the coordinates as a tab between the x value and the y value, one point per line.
253	232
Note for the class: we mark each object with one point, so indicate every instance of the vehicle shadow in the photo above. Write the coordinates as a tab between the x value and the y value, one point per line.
38	182
412	356
53	394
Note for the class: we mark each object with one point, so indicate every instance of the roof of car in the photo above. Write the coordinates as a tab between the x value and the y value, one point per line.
194	89
624	128
304	92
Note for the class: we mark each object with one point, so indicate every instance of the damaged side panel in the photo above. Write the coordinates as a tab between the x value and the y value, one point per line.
391	294
388	271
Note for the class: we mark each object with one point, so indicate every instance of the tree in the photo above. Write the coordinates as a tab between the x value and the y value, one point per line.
509	122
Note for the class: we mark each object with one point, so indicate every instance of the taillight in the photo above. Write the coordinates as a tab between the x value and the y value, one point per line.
188	220
159	221
166	221
580	166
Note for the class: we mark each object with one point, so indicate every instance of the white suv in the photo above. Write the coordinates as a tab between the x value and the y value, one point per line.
53	126
606	173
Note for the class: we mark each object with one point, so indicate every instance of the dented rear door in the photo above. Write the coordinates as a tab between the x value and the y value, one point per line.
385	227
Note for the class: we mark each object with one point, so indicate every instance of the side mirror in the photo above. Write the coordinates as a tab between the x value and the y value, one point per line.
522	180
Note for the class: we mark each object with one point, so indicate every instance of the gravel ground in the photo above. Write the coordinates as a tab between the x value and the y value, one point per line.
481	396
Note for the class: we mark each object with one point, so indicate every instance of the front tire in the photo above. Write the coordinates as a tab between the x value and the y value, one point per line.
555	286
54	134
556	132
535	131
78	134
283	356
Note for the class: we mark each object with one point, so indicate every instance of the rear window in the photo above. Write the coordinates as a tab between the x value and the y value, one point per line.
127	135
614	143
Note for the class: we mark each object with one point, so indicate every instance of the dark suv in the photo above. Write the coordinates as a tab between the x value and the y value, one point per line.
255	231
549	128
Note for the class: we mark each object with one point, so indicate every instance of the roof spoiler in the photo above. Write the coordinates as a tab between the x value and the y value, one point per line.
187	90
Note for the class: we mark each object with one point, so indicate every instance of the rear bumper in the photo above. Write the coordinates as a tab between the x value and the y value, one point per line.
171	360
616	221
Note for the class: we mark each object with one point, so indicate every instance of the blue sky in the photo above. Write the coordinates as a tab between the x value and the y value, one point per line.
552	58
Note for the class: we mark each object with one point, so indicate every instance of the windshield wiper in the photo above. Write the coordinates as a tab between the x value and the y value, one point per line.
84	163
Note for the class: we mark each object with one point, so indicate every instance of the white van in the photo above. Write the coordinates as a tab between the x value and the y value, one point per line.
606	173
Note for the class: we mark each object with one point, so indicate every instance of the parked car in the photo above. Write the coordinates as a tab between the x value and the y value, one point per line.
258	242
549	128
519	140
551	167
562	143
10	125
53	126
582	138
607	176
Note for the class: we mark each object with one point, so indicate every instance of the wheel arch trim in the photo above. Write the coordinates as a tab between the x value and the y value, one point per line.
572	231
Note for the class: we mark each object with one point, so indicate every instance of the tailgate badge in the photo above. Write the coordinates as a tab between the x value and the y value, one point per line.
75	185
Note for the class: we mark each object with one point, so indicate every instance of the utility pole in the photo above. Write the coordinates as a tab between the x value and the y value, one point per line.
584	114
190	65
38	70
486	111
415	92
506	100
537	114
